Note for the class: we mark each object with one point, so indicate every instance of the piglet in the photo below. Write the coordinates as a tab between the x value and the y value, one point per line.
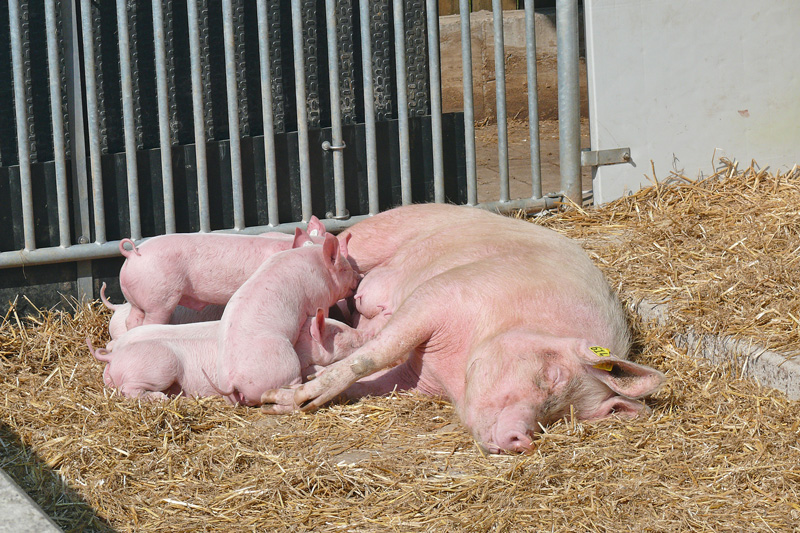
157	361
181	315
193	270
263	319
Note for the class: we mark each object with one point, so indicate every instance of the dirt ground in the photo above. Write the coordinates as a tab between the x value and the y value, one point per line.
519	158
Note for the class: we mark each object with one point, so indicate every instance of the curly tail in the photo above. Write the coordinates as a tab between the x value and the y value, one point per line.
230	395
101	354
108	304
124	251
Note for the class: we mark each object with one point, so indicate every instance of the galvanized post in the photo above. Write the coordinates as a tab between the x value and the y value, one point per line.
197	109
93	122
337	142
569	120
302	115
21	116
164	138
126	84
402	101
533	100
80	177
369	108
500	96
469	104
59	150
233	116
432	13
266	111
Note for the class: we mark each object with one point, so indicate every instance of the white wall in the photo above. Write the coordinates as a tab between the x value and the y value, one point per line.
677	80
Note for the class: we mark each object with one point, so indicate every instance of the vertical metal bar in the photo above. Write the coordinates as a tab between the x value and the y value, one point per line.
432	13
126	84
92	121
533	100
59	151
369	108
469	105
80	179
197	108
336	112
233	115
72	61
302	116
402	102
21	116
164	138
266	111
569	120
500	96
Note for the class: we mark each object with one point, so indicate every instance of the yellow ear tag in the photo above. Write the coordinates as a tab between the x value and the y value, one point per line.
602	352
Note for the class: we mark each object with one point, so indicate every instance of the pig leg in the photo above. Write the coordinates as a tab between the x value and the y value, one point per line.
135	318
409	327
255	367
148	395
158	316
148	373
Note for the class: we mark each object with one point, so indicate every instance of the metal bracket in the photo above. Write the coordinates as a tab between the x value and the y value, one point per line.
332	215
596	158
327	146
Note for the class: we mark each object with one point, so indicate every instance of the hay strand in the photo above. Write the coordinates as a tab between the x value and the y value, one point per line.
717	453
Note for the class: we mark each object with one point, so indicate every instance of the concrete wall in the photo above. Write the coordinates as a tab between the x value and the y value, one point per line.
683	82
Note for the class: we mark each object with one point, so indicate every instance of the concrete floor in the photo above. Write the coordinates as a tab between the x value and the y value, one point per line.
519	159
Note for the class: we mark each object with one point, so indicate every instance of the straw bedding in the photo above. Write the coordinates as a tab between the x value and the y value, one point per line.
717	453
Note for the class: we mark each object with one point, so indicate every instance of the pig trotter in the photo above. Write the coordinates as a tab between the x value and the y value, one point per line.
311	395
278	401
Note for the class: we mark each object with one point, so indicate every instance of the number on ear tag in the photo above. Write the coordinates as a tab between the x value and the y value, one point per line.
602	352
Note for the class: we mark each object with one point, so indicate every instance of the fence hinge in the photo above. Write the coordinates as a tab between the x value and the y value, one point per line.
614	156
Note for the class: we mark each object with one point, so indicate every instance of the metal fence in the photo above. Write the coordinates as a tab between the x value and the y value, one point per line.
146	117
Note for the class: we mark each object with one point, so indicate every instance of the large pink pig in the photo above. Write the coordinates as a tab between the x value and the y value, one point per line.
262	320
157	361
193	269
181	315
509	320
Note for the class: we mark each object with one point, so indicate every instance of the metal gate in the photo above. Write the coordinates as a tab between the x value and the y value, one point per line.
138	118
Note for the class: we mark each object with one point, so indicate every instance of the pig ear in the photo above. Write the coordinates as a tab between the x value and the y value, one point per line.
318	325
330	249
300	238
616	405
315	227
623	377
343	245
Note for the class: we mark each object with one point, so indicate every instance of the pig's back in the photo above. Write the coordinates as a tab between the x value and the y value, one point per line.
425	229
511	262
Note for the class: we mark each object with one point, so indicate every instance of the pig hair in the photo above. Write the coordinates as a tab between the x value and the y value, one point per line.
583	393
124	251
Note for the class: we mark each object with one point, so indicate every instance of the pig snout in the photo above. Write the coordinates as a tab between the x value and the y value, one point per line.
511	432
